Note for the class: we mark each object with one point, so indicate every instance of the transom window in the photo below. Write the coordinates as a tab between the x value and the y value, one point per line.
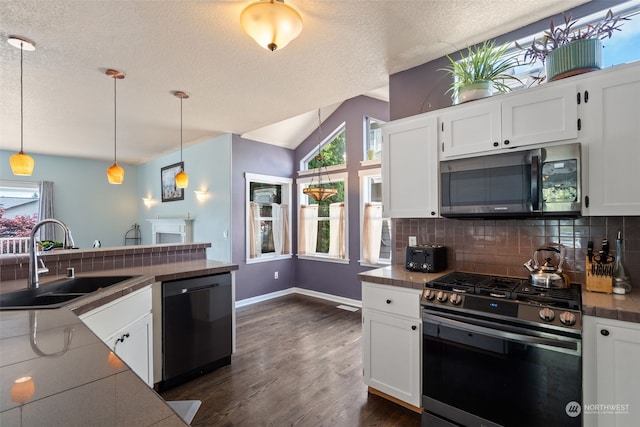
372	139
332	151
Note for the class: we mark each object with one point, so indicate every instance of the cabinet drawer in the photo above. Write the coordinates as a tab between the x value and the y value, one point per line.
390	299
106	320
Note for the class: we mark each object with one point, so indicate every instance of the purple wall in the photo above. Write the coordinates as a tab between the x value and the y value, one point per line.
255	157
333	278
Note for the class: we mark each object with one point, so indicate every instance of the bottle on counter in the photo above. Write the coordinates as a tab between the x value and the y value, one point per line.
621	281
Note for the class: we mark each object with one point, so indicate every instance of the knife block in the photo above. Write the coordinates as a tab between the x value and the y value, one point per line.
598	283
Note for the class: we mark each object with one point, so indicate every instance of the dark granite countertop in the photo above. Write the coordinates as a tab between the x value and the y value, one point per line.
610	306
79	384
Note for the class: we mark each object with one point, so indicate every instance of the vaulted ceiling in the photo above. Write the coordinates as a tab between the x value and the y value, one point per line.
347	48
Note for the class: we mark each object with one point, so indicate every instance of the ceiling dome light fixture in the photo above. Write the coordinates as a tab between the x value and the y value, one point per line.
271	23
319	192
115	173
21	164
182	179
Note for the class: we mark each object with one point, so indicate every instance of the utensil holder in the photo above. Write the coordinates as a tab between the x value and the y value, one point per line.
599	282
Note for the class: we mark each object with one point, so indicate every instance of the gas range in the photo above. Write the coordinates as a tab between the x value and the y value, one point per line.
507	299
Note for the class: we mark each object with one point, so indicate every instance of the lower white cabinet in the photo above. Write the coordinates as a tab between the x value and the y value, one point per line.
126	326
611	377
391	341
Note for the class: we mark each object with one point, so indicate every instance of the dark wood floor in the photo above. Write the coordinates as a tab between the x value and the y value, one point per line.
298	363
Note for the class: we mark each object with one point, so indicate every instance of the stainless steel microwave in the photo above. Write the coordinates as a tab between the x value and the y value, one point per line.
530	183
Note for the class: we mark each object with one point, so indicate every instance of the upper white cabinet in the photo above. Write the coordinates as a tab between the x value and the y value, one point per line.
611	135
410	167
533	116
611	350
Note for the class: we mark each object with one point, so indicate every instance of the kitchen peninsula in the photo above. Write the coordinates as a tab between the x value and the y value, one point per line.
54	368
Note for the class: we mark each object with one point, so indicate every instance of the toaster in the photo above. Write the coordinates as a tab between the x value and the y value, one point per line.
426	258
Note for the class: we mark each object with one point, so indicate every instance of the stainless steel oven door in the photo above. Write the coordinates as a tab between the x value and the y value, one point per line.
481	373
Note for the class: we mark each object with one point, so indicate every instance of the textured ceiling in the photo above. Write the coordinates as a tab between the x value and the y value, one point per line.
346	48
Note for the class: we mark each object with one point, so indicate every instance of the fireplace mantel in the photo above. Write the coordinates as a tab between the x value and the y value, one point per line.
171	230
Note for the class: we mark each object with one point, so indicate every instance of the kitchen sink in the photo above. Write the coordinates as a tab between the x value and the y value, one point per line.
58	293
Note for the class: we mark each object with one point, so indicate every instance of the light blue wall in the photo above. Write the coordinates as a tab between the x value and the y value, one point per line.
84	200
208	165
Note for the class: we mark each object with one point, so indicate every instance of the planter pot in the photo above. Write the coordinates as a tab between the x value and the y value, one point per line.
577	57
477	90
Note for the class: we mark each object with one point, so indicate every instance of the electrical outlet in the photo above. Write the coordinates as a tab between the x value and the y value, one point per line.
275	275
413	241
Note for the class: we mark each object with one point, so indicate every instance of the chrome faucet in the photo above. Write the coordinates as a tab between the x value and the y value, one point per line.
34	271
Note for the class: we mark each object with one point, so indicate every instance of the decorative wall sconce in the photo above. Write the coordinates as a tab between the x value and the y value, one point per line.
149	201
201	195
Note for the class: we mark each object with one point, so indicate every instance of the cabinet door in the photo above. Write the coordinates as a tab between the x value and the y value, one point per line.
469	129
391	355
611	133
618	376
544	114
410	168
134	344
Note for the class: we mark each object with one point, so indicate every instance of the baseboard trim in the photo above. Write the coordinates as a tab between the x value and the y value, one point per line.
301	291
394	400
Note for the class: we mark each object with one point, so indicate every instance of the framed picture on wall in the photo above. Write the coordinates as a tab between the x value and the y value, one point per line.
170	192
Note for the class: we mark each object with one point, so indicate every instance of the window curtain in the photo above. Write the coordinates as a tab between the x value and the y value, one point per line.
47	232
308	229
372	232
337	241
284	220
254	230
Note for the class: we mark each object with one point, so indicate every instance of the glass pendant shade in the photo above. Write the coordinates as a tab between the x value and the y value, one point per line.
320	193
22	390
271	23
21	164
182	179
115	174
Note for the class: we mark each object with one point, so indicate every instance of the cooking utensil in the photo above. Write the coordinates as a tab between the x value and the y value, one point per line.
547	275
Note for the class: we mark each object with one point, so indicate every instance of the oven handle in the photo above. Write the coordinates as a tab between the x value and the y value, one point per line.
553	344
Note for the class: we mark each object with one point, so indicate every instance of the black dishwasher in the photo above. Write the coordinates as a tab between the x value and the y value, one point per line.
196	327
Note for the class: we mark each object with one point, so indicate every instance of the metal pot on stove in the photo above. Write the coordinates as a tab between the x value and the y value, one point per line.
547	275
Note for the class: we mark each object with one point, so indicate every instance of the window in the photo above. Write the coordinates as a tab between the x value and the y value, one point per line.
323	225
19	212
372	139
375	240
332	149
621	48
268	216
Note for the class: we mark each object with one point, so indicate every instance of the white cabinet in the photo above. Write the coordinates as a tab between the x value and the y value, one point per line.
410	167
392	342
125	325
611	135
611	351
532	116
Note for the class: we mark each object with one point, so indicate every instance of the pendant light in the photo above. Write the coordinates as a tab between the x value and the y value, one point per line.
271	23
318	192
21	164
182	179
115	173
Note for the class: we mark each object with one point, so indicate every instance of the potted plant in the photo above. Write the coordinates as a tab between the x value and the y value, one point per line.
566	50
483	70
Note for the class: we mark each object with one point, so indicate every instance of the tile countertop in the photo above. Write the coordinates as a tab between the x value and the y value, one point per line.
610	306
78	384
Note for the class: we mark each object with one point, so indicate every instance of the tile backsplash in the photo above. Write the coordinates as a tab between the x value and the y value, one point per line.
501	247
